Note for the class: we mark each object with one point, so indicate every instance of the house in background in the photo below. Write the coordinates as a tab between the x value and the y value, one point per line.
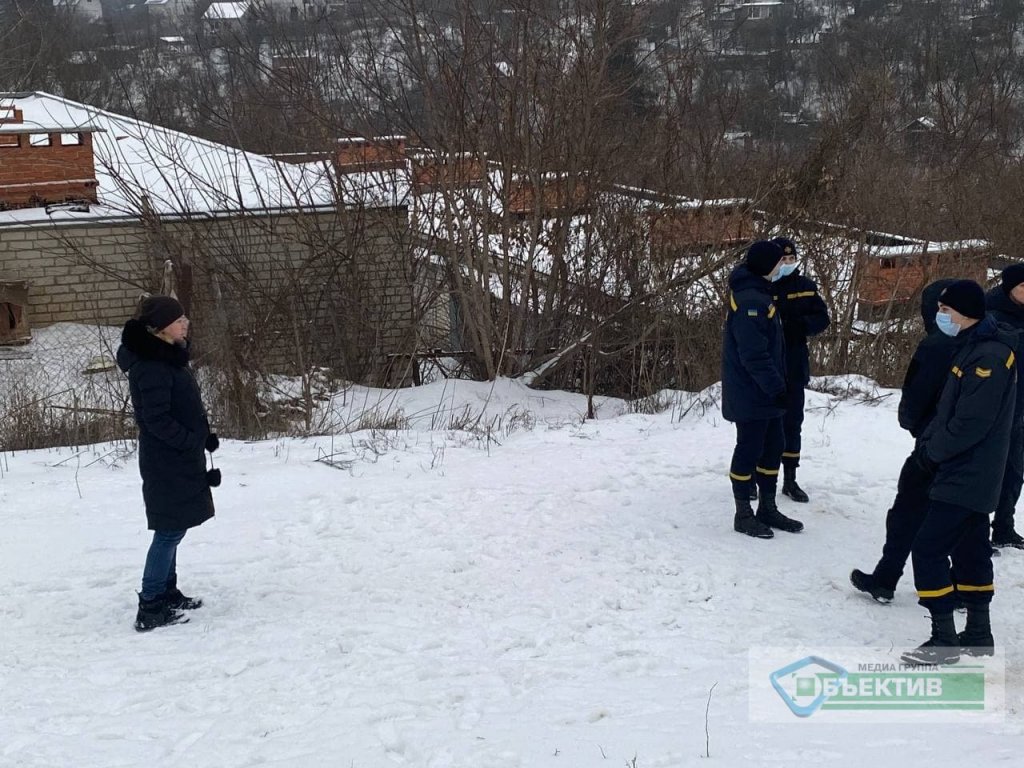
86	10
893	271
510	231
756	26
228	16
94	207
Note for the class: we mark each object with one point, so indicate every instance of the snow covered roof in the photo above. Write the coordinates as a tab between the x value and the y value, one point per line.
919	247
144	167
226	11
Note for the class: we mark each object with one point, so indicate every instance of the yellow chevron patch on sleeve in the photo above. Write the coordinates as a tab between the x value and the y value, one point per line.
771	311
1011	360
983	373
957	372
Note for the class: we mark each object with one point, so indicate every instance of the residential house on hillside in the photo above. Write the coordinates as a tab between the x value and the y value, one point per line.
755	26
893	271
94	208
228	15
495	238
85	10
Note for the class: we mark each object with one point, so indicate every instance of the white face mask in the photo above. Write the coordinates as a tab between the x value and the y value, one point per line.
945	323
784	269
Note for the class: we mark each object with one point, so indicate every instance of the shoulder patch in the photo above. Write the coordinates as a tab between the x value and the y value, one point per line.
982	373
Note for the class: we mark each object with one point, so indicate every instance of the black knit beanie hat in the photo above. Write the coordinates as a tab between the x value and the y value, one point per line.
762	256
158	312
966	297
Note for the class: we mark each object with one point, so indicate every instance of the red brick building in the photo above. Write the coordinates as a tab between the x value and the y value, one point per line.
891	277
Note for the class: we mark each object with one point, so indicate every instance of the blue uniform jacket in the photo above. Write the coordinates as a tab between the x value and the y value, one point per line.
970	435
803	314
1007	311
753	351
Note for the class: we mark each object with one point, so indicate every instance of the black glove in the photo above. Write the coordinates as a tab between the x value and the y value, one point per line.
926	465
779	400
213	477
212	442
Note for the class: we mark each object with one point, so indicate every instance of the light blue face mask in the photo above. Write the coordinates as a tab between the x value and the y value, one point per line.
945	323
784	269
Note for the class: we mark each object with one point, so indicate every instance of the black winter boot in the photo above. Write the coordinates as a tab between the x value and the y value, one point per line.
156	613
943	647
976	639
769	514
745	522
789	486
866	582
179	602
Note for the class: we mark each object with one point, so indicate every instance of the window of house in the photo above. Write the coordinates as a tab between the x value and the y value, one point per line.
888	263
14	328
71	140
757	12
39	139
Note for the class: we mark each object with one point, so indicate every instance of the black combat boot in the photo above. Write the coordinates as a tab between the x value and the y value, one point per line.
769	514
866	582
179	602
156	613
745	521
789	486
943	647
976	639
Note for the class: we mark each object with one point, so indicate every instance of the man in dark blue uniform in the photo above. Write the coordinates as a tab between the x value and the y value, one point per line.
964	448
922	385
1005	303
754	389
803	314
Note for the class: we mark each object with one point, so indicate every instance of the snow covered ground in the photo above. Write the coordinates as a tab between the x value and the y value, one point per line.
561	593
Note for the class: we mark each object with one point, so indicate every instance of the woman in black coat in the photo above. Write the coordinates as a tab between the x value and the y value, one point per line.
173	433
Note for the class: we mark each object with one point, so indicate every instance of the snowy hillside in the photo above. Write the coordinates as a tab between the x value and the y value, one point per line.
557	593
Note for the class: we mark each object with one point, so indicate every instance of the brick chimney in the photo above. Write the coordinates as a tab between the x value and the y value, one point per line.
40	165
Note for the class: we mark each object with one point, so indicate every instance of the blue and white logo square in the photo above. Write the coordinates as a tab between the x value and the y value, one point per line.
805	685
